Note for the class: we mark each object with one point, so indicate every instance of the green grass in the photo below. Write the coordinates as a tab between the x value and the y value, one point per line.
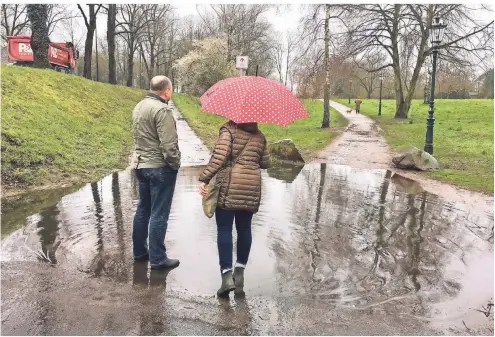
58	127
306	133
463	137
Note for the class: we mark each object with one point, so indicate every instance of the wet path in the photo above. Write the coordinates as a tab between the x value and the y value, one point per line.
363	145
336	251
193	151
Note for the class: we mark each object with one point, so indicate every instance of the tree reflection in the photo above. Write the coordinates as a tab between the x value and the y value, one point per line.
48	228
100	261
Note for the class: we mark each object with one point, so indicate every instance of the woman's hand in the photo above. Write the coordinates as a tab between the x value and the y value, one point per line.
203	189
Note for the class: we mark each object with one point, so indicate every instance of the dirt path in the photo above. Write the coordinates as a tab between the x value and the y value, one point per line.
363	145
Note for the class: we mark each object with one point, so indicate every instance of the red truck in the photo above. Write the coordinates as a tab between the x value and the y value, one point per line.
61	55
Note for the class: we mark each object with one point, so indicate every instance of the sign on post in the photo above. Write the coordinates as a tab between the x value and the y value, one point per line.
241	62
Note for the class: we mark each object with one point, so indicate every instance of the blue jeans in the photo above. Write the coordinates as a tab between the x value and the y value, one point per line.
156	189
225	220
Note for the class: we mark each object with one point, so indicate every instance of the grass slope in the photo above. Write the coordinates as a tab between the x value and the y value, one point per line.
58	127
307	133
462	137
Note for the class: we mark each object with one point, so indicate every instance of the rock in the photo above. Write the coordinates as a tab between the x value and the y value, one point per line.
285	151
285	172
415	159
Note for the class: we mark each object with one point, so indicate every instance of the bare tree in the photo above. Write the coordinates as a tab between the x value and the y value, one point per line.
365	77
71	30
155	33
278	56
90	27
14	20
290	59
245	30
131	21
320	18
402	30
57	14
170	50
38	16
111	23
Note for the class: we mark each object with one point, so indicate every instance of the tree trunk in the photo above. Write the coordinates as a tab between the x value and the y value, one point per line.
112	15
326	91
88	53
130	65
38	16
151	68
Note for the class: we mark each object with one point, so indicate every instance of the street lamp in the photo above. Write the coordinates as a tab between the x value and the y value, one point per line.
350	89
380	104
436	34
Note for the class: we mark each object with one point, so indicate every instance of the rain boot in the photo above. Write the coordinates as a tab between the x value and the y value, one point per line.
227	284
239	281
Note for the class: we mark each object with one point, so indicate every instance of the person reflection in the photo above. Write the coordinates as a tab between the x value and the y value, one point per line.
156	278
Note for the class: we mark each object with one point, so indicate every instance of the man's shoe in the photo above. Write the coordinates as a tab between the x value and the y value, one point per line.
239	281
227	284
144	258
167	264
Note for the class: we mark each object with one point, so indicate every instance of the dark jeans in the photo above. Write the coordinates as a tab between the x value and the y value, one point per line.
225	220
156	189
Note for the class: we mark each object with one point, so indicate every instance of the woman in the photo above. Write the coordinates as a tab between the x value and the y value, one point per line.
239	154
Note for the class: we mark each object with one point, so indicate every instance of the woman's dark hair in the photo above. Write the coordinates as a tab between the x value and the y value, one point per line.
249	127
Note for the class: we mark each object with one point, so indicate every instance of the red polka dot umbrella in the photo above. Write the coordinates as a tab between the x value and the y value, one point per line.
249	99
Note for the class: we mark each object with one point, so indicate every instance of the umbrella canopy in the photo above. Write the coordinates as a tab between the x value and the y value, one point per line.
249	99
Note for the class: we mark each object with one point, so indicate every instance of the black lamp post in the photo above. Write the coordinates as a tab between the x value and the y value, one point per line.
350	89
380	104
426	99
436	33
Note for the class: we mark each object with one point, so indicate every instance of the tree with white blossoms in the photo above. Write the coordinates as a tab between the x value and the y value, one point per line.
204	65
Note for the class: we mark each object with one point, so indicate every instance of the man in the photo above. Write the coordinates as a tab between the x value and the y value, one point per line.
156	160
358	104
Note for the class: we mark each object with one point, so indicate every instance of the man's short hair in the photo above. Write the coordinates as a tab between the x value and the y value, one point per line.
160	83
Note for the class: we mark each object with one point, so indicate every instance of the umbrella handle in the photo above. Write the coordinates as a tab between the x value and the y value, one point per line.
256	70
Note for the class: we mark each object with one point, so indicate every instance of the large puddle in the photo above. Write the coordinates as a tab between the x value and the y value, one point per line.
359	240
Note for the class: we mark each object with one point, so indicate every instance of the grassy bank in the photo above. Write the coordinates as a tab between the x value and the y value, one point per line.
463	137
306	133
60	128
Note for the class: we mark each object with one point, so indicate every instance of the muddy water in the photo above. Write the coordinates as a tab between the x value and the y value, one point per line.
336	250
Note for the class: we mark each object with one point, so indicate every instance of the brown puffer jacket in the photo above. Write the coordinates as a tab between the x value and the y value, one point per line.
241	189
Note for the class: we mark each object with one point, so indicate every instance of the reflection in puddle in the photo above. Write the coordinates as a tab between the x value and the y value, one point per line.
354	238
406	185
285	173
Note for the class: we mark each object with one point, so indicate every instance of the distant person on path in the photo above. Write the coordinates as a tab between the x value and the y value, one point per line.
156	160
358	105
239	154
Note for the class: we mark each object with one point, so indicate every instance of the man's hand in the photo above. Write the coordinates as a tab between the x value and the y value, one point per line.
203	189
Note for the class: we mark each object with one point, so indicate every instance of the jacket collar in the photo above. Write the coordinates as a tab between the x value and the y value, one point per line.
155	96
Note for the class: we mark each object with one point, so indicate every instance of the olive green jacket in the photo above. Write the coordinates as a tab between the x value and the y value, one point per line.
155	134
